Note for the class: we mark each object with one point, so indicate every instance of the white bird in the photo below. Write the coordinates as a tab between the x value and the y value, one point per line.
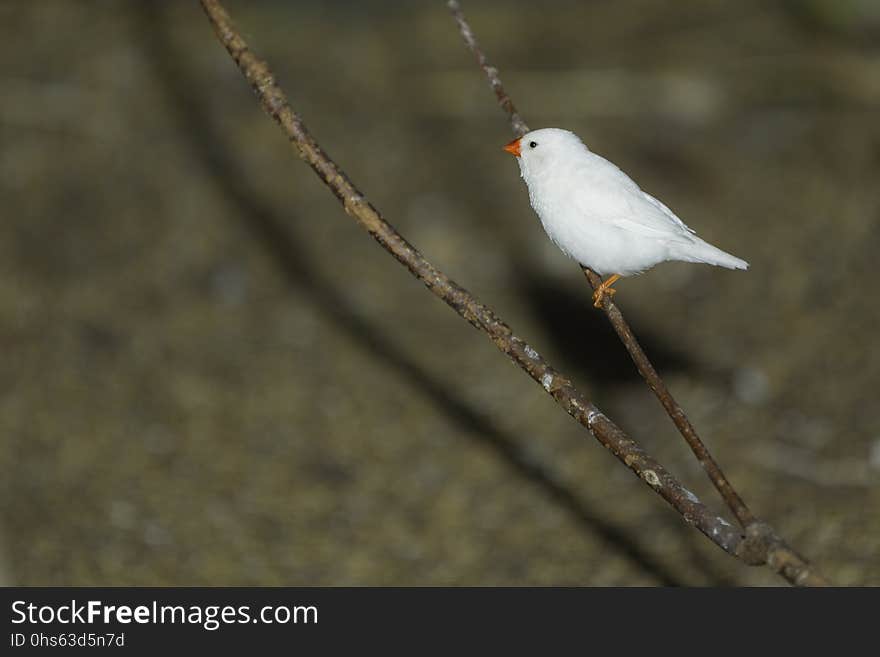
598	216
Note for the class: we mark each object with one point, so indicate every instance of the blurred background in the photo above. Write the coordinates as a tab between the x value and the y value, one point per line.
210	375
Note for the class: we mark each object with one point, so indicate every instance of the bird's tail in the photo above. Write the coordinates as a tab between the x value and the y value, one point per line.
704	252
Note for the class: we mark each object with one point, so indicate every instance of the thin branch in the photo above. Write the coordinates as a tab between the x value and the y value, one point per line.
275	103
646	369
516	122
754	527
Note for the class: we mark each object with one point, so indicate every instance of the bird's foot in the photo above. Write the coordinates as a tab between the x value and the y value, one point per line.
604	290
600	294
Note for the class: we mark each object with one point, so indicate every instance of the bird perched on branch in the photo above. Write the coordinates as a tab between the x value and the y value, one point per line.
598	216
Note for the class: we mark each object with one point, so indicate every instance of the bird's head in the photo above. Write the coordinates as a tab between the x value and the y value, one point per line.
539	150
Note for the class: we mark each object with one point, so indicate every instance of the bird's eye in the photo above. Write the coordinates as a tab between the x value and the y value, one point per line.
532	144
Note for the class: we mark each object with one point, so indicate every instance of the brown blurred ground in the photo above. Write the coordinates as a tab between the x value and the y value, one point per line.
210	375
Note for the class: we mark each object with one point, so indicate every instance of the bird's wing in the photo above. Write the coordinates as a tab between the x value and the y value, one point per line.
614	198
666	211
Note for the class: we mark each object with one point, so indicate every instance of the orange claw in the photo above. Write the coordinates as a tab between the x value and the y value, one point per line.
604	290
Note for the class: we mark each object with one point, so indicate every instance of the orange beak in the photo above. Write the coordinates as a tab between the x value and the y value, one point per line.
513	148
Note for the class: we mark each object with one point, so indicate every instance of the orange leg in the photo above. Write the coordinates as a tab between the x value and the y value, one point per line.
605	289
